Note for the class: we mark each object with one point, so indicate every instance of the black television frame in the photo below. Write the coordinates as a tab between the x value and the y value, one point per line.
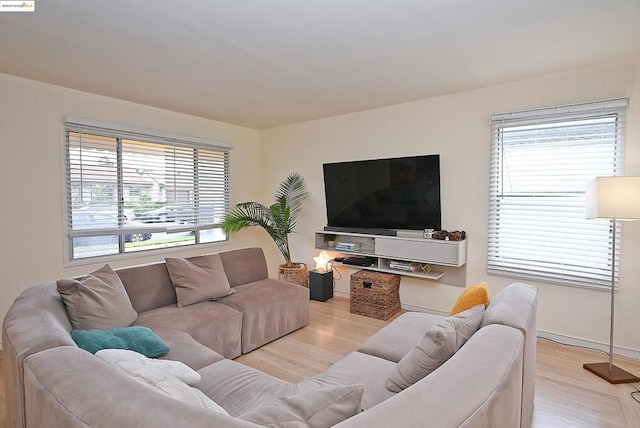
363	192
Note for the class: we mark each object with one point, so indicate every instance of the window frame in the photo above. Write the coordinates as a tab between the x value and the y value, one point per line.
500	261
124	132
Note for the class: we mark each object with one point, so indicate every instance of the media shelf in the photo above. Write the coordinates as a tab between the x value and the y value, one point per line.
386	249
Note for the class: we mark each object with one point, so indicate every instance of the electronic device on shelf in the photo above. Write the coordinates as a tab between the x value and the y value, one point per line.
359	261
402	265
347	246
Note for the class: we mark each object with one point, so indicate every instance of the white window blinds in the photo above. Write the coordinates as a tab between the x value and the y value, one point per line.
126	185
541	161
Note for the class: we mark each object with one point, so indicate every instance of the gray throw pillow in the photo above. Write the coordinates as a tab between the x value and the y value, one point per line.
320	408
97	301
436	347
198	279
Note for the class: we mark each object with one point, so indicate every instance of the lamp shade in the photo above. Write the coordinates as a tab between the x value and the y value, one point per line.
323	261
613	198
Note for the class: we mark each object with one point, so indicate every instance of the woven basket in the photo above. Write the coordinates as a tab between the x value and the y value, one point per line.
298	275
375	294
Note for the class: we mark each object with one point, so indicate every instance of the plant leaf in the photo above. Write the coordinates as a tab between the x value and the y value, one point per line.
278	220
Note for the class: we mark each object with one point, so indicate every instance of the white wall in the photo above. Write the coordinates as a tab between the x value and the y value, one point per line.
31	191
457	127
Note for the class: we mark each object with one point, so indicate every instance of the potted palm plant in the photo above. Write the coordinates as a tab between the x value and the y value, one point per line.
278	220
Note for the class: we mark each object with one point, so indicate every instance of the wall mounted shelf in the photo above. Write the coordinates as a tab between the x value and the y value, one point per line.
386	249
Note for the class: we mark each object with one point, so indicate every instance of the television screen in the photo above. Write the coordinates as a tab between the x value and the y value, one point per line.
397	193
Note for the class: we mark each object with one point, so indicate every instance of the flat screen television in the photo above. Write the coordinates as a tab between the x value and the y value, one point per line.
383	195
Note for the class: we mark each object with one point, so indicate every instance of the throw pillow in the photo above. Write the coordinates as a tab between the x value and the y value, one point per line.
472	296
138	339
319	408
99	300
198	279
177	369
436	347
159	381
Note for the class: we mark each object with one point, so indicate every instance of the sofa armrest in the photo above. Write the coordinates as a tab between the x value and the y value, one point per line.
480	386
36	321
517	306
62	392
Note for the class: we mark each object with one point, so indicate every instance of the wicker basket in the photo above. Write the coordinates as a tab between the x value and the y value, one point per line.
375	294
298	274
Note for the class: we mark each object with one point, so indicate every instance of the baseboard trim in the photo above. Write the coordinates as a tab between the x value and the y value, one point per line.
592	344
410	308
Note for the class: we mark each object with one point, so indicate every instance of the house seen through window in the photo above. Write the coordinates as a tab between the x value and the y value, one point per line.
130	190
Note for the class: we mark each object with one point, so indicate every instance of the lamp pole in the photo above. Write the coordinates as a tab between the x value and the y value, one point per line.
613	283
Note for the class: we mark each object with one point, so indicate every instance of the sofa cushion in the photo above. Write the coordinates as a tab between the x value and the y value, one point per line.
212	324
270	309
138	339
244	265
355	368
198	279
161	380
393	341
472	296
98	300
238	388
184	348
436	347
148	286
320	408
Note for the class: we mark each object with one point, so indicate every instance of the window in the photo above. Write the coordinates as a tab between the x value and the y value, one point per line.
134	190
540	163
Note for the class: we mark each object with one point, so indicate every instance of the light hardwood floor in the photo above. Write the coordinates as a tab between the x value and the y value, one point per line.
566	394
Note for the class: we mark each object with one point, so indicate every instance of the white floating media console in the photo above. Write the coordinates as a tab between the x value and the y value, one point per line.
398	254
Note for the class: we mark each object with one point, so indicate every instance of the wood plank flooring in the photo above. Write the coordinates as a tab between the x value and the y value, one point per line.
566	394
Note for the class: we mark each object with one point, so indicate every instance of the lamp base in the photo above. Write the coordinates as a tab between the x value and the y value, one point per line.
616	375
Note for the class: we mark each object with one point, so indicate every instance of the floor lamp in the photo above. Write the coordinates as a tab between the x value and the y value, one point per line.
613	198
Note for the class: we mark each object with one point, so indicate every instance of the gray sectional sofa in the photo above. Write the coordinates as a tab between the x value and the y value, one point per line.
51	382
261	310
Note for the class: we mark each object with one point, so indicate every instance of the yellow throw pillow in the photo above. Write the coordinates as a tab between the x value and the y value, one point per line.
475	295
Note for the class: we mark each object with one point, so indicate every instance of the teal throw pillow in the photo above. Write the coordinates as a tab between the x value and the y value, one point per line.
139	339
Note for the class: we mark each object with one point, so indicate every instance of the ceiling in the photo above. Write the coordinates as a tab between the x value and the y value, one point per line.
265	63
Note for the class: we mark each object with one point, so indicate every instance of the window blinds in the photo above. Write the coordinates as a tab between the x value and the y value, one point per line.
540	163
116	174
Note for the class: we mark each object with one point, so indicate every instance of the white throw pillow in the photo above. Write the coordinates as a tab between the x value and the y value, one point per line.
160	381
176	369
